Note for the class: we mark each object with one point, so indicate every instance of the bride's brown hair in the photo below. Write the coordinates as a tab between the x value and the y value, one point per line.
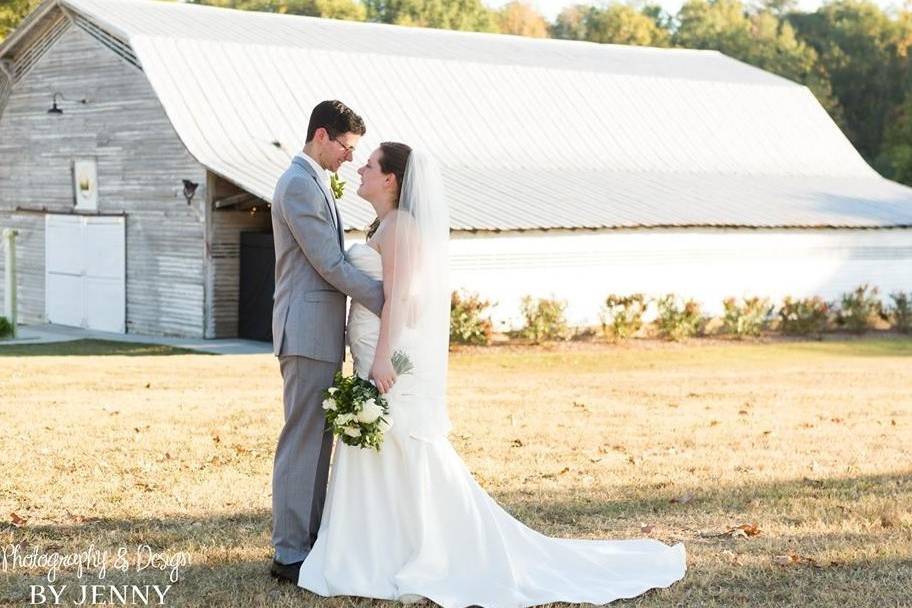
393	159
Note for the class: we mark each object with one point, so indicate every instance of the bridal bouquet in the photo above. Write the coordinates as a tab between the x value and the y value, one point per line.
356	411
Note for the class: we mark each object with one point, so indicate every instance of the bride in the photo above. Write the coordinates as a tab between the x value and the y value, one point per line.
409	522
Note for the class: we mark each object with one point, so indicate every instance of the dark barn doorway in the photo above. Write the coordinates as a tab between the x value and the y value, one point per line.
257	283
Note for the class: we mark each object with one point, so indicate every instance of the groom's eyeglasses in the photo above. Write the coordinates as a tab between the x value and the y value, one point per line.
348	149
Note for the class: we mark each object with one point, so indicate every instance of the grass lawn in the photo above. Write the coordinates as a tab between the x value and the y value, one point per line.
806	442
96	348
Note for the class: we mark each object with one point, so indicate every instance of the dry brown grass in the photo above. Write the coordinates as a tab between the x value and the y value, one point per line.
809	441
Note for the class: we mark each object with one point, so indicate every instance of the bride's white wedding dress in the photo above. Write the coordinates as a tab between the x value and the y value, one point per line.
410	521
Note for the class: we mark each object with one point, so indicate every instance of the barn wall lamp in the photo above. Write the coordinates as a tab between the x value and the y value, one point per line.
189	190
55	109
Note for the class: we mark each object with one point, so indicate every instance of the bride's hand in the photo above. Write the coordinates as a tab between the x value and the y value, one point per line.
383	374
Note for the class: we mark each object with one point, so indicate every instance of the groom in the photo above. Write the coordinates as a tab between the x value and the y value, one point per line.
312	281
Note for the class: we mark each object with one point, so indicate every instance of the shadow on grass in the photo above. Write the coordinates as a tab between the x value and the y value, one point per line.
230	553
555	507
93	348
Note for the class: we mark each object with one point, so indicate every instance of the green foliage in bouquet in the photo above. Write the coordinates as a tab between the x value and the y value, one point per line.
678	320
356	412
622	316
468	325
545	319
803	317
860	309
6	328
748	317
900	312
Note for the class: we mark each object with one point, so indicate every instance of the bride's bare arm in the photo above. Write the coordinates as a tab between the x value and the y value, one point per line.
397	243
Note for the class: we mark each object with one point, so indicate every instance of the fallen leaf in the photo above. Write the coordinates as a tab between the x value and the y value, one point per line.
683	499
148	385
646	528
742	412
785	560
890	518
517	443
17	521
564	470
793	559
742	531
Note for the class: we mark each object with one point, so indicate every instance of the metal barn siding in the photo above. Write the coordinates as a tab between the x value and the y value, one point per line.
652	137
584	267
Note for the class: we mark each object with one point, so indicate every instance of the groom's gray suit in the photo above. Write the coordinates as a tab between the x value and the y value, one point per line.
308	332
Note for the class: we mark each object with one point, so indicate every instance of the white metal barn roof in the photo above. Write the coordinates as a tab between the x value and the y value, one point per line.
530	133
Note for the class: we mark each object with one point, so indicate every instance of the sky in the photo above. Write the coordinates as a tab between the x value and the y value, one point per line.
550	8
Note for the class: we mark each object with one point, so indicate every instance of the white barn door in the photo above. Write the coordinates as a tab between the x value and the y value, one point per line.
85	272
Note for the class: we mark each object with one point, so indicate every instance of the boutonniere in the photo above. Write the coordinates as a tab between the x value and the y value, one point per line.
336	185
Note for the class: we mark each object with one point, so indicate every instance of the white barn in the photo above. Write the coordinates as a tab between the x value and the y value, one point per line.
574	169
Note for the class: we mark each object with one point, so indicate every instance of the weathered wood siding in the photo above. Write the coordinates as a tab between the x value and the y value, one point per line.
5	86
223	253
29	247
141	165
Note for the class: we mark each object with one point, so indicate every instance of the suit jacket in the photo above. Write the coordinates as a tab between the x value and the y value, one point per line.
312	276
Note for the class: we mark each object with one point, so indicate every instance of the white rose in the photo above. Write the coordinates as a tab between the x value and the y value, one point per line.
329	404
333	390
370	412
352	431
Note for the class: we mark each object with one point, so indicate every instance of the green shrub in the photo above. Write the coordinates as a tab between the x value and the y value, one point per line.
746	318
900	313
468	325
622	316
803	317
860	309
544	319
6	328
678	320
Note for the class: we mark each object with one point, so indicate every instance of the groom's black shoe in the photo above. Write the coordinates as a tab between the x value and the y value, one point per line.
286	572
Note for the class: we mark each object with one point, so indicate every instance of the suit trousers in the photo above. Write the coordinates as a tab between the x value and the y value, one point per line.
301	466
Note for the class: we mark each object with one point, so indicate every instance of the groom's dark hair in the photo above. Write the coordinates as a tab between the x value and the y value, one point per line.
336	117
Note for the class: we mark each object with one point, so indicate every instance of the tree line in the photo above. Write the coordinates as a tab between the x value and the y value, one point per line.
851	54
